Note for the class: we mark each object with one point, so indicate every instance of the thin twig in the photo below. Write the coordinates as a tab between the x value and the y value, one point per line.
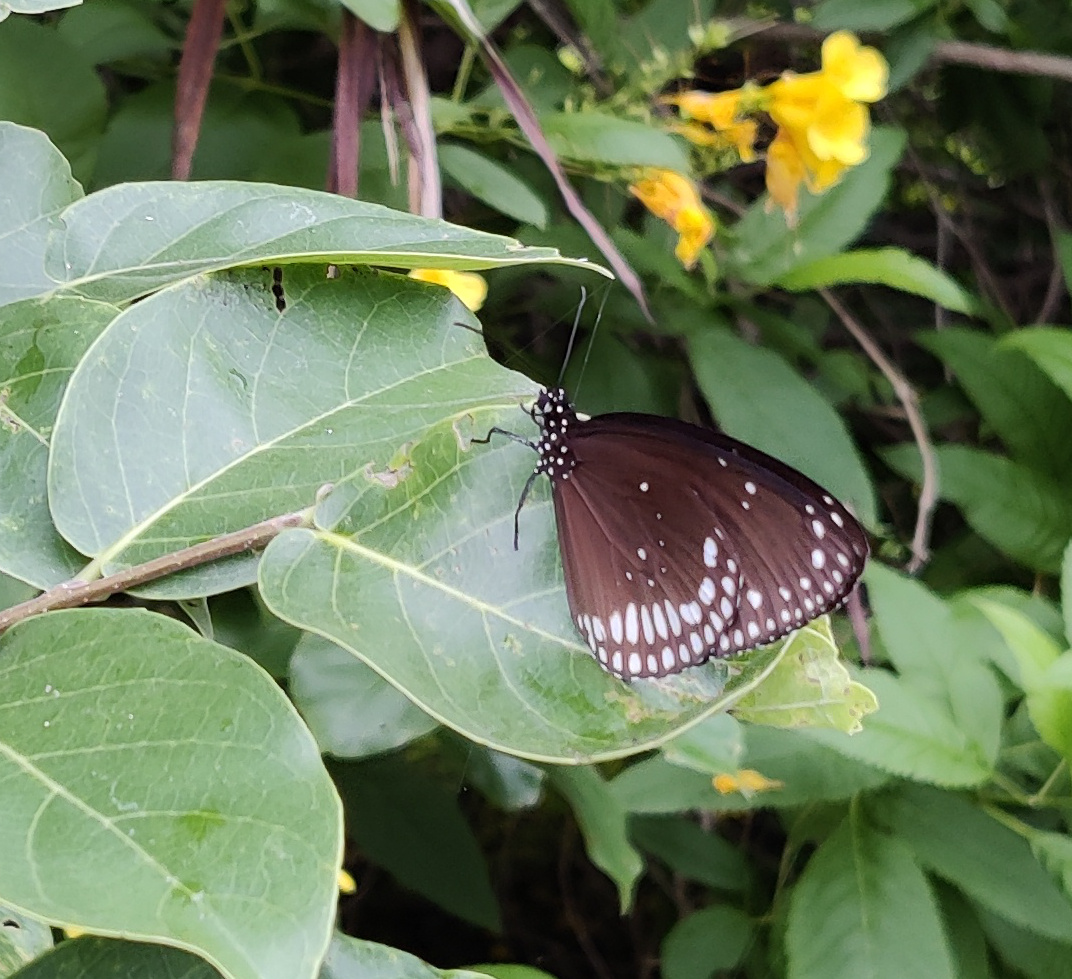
75	593
1055	288
928	494
423	160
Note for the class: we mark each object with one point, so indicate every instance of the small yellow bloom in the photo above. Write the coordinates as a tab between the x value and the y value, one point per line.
721	111
747	781
675	200
346	883
469	287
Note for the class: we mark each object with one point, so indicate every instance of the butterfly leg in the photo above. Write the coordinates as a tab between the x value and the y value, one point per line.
513	436
521	502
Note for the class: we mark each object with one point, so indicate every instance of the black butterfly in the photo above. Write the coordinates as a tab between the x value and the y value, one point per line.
679	543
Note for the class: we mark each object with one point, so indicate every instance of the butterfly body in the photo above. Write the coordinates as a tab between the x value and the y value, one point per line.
679	543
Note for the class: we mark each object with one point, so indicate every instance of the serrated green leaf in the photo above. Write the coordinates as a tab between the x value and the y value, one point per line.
203	409
1022	512
596	137
410	824
989	862
766	249
129	240
810	687
792	420
163	788
1051	348
602	821
38	185
1054	852
351	710
491	182
912	734
40	346
1045	674
938	654
706	942
863	907
1026	410
892	267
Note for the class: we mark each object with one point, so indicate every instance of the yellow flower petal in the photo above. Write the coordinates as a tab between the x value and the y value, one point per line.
747	781
860	73
695	229
469	287
719	110
785	173
346	883
675	200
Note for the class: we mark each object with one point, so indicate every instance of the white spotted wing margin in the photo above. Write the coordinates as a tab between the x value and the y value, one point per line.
679	543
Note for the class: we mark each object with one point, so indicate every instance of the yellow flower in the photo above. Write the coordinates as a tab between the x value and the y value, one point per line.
822	123
469	287
721	111
675	200
747	781
346	883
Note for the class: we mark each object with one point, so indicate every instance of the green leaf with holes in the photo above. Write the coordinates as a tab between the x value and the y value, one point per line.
810	687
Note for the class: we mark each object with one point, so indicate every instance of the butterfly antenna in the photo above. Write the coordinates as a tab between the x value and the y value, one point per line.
572	337
591	341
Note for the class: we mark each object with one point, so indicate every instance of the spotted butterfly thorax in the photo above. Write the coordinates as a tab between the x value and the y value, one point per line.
679	543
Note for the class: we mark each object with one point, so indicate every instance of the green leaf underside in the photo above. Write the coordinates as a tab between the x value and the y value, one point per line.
167	790
131	239
196	412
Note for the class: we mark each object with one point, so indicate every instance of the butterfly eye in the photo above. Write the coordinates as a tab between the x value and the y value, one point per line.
679	543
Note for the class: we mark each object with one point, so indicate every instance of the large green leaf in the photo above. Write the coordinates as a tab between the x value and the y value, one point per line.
129	240
420	580
912	734
707	942
1026	410
1019	510
159	786
863	908
93	958
40	345
204	409
759	398
37	185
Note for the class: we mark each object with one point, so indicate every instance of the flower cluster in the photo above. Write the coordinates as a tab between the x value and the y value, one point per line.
821	117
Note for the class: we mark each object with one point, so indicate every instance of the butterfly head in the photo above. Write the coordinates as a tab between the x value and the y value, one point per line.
555	415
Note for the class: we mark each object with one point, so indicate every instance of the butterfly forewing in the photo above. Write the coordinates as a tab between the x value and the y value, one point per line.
679	543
